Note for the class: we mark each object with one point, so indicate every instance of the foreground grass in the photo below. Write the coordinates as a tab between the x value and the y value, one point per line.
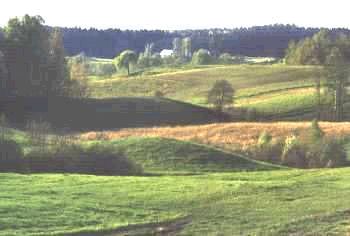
255	203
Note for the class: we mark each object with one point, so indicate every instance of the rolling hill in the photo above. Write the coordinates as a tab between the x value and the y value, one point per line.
275	87
159	154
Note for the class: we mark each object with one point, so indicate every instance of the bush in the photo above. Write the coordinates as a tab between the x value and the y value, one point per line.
270	152
149	61
11	156
38	133
101	69
317	153
98	159
328	153
264	139
158	94
267	149
310	150
294	156
312	136
202	57
333	153
225	59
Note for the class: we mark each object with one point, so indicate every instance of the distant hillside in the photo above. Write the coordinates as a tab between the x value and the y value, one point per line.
274	90
263	41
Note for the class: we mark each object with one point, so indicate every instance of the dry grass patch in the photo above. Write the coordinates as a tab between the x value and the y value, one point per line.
229	135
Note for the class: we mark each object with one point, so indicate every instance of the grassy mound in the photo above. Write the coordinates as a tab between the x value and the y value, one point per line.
159	154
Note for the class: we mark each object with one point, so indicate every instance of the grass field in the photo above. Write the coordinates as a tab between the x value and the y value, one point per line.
255	203
275	85
187	189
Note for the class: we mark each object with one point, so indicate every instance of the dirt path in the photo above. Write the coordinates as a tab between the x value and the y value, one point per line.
169	228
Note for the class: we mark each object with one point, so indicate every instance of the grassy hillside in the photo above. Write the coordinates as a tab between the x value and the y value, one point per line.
159	154
250	81
261	203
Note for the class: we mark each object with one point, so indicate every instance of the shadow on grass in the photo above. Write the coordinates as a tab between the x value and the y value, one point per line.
112	113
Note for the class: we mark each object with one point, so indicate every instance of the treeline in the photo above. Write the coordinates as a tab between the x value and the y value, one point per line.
263	41
319	49
33	61
331	51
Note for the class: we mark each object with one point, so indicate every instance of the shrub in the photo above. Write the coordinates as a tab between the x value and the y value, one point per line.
97	159
145	61
202	57
313	135
270	152
38	133
264	139
294	156
309	150
316	131
11	156
158	94
101	69
225	58
267	149
294	153
333	153
329	153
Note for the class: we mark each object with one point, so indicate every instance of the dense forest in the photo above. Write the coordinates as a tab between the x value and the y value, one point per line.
266	41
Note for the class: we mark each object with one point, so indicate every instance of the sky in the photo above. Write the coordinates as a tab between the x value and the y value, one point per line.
180	14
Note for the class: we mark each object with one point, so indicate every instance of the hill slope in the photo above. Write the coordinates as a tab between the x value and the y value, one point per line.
111	113
159	154
270	89
192	85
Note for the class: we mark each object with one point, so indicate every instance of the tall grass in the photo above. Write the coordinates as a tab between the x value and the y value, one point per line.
228	135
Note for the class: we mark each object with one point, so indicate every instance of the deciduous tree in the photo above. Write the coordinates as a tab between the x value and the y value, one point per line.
125	59
221	94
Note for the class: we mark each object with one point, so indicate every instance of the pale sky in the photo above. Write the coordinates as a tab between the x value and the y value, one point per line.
180	14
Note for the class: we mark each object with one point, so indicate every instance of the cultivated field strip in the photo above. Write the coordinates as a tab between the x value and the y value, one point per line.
227	134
